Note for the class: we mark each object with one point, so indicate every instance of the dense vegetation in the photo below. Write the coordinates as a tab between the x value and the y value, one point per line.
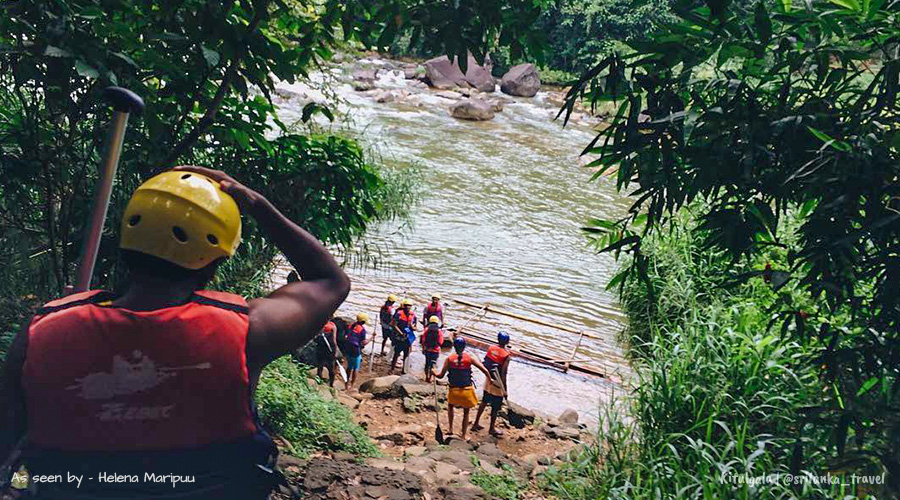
788	110
206	71
290	406
720	397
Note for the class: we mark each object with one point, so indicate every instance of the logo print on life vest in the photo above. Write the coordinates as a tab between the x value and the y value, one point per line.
127	377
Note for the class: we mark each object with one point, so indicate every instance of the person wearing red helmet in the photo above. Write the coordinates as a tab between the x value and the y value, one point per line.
326	351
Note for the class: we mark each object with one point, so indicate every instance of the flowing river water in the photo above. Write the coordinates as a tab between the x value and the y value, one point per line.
499	223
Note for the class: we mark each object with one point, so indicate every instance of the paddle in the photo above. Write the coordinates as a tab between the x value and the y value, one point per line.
438	433
124	102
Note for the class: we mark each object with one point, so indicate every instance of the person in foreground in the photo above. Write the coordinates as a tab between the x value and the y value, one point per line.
462	388
432	339
356	341
155	383
497	363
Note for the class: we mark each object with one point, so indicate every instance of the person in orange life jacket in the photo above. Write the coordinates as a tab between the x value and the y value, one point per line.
404	320
433	309
462	388
497	363
327	351
356	341
387	317
431	340
158	378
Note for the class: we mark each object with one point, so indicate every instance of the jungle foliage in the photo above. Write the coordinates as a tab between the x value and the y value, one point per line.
792	109
720	400
206	71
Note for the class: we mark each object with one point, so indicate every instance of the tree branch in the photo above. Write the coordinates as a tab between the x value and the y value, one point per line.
188	141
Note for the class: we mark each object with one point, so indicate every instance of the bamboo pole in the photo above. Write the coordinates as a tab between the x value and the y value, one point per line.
574	351
471	318
375	341
537	321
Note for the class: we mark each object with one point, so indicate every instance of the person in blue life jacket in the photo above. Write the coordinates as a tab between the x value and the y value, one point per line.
386	315
356	341
432	338
496	360
159	377
404	326
462	388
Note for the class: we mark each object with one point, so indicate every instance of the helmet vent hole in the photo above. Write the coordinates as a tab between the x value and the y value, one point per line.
134	220
185	176
211	238
180	235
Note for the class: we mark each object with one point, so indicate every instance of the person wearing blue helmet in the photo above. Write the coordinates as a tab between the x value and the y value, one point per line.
462	388
497	363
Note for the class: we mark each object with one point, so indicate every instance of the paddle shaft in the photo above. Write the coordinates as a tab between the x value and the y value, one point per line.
125	102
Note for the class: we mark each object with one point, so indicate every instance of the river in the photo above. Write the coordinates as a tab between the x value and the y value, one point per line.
499	223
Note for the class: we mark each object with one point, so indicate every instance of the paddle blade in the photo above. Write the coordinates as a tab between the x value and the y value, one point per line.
439	435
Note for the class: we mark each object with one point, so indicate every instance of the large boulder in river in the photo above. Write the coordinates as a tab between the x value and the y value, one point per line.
442	74
521	80
472	109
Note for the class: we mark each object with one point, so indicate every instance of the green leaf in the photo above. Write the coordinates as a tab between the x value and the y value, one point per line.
867	385
786	5
312	108
212	57
86	70
125	58
52	51
847	4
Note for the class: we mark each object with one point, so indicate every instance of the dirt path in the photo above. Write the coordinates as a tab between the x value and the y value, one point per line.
398	415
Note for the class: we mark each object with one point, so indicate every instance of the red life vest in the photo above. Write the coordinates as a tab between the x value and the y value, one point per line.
405	318
431	310
387	312
460	370
431	341
100	378
356	334
495	357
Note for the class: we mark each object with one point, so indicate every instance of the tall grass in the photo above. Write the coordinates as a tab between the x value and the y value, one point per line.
290	405
718	397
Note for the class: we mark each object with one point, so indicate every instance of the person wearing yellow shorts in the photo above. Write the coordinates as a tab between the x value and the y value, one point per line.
462	389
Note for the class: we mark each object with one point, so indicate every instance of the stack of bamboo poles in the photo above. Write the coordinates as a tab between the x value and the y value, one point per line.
563	364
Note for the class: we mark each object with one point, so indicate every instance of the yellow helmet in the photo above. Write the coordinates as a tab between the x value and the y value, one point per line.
436	296
362	318
182	217
392	298
434	319
406	302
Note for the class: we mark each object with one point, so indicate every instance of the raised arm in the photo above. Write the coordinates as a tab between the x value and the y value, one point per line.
291	315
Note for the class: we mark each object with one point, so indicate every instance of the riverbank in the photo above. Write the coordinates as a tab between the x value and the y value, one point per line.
397	414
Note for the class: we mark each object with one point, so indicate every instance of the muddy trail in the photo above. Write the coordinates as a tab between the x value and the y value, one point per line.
397	413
